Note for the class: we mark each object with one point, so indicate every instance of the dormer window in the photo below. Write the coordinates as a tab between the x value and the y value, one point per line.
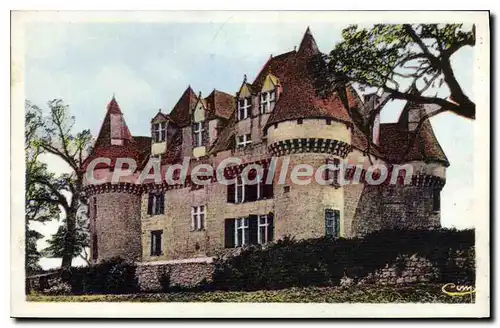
244	105
267	99
198	134
159	132
243	140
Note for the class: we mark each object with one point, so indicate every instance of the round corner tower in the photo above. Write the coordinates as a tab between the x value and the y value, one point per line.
311	209
114	208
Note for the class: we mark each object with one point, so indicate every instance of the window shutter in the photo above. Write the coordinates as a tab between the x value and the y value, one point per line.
252	229
150	204
152	251
157	203
231	193
162	203
229	225
251	192
158	243
267	189
270	227
336	214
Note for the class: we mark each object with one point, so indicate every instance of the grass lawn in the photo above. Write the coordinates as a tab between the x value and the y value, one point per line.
416	293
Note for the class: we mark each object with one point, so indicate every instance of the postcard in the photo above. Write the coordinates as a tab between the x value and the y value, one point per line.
250	164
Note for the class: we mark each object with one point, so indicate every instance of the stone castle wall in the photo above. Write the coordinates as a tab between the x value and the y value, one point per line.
158	276
118	225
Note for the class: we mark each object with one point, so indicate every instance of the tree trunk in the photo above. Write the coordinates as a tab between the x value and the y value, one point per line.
69	242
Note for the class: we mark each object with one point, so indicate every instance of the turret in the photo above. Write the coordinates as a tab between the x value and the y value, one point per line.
314	131
114	207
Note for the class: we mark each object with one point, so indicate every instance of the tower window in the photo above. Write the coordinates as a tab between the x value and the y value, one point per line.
156	203
159	132
332	175
332	223
197	218
244	105
198	134
156	242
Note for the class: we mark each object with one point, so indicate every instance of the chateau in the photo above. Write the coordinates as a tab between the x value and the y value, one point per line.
277	115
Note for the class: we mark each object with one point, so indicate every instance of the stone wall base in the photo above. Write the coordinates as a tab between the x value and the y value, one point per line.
189	273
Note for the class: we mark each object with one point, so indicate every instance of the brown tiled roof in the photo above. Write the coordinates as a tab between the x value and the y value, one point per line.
181	113
399	145
161	117
174	150
277	66
136	148
104	136
308	46
220	104
299	98
225	140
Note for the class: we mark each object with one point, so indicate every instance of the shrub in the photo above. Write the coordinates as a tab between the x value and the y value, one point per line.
58	287
113	276
325	261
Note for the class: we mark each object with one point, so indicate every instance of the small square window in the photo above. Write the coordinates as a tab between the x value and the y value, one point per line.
286	189
328	121
300	121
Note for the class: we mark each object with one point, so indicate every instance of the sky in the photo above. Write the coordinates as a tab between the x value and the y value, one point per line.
147	66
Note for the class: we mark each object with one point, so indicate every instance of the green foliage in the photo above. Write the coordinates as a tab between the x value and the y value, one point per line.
324	261
113	276
48	195
392	57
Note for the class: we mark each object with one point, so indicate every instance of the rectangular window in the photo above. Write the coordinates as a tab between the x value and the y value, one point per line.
332	223
267	100
159	132
156	242
243	140
300	121
332	174
242	232
156	203
198	218
198	134
255	229
265	229
244	105
436	200
241	192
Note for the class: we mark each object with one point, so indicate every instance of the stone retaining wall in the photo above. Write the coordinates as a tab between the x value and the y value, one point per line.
413	269
154	276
